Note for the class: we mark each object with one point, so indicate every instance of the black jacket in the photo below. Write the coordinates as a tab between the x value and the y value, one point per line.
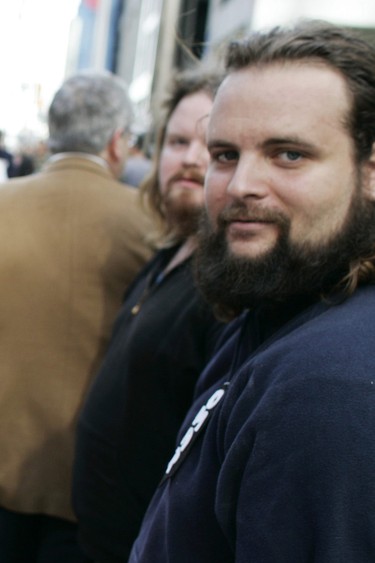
128	426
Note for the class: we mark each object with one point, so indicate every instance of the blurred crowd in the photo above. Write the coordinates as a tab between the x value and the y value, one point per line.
28	157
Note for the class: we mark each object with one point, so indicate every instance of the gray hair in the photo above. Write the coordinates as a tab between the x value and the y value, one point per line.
86	111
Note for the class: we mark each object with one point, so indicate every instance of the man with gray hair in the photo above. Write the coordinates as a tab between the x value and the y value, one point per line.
72	239
92	114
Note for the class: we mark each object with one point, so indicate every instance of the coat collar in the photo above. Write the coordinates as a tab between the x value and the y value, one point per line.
64	157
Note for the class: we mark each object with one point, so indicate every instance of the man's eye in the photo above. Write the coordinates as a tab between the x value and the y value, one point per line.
177	141
290	156
225	156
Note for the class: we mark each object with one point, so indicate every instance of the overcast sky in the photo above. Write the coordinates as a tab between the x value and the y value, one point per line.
33	41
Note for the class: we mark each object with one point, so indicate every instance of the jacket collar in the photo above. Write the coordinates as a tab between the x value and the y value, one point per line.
81	155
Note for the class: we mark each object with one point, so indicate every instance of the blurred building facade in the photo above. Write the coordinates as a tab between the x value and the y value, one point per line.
145	41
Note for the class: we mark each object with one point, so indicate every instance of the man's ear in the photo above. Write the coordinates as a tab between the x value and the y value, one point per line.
369	175
115	149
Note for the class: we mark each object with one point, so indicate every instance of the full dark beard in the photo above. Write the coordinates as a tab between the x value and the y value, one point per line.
288	270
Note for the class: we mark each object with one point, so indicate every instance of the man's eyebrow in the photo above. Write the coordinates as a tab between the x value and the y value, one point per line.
288	141
220	143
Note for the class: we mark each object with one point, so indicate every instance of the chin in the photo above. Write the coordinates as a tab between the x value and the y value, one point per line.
184	204
249	250
192	199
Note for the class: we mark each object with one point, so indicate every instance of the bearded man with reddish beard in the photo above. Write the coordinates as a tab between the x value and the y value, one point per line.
162	340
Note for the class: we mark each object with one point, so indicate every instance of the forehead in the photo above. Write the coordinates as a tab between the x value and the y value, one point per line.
282	98
189	112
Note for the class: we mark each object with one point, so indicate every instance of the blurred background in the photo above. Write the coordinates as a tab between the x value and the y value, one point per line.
144	41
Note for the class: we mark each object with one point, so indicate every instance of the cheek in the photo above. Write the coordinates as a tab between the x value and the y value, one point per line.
315	217
214	194
167	168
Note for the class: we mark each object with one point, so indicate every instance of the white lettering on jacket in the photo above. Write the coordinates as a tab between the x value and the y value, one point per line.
195	427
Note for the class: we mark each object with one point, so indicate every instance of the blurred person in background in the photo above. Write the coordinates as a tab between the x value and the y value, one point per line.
40	153
138	164
23	164
72	240
6	160
163	337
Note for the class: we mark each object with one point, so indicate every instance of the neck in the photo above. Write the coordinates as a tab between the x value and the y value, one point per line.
183	253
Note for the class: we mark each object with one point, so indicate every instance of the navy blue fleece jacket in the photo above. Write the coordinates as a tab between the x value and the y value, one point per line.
282	468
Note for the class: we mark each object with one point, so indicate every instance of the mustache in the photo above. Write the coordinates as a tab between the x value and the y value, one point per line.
240	211
192	175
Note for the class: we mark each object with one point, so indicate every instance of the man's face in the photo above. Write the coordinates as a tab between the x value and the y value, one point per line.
287	206
184	159
280	154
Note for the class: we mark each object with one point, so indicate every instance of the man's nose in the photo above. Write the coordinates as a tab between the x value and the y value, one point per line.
249	179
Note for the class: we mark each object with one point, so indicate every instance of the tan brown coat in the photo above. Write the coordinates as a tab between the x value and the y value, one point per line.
71	240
